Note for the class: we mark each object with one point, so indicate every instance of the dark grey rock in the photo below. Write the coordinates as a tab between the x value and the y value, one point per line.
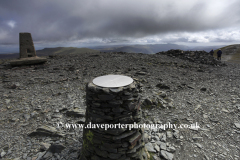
44	146
26	116
106	97
56	148
166	155
237	125
171	149
149	147
114	155
46	131
157	148
141	73
203	89
3	153
28	61
101	152
76	112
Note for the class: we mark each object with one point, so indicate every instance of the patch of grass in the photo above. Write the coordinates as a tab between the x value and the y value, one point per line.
215	51
236	56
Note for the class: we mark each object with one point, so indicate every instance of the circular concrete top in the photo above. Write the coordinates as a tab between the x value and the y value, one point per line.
112	81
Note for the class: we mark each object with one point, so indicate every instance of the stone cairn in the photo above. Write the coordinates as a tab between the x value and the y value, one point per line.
113	106
202	57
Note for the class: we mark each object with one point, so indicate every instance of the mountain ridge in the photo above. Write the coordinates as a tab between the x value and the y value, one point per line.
147	49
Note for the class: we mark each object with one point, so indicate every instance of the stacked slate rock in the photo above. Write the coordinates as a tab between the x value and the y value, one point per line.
202	57
113	106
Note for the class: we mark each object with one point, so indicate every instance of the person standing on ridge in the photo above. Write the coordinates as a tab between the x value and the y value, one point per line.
219	54
211	52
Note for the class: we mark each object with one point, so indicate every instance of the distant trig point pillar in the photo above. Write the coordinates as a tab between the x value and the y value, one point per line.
26	45
27	52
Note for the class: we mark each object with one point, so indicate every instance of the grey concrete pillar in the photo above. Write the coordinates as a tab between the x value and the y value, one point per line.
112	100
27	48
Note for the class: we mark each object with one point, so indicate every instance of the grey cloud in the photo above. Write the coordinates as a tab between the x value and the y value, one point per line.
61	20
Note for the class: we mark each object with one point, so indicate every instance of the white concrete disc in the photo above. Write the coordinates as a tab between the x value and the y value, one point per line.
112	81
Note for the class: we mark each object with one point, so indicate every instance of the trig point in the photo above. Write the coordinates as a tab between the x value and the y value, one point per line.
27	52
26	45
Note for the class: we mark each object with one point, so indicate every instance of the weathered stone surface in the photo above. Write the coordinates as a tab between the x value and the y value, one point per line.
169	134
28	61
171	149
149	147
116	90
176	134
141	73
237	125
162	145
101	152
162	86
26	45
40	84
27	52
3	153
76	112
56	148
47	131
157	148
114	155
201	57
166	155
106	97
124	135
44	146
134	138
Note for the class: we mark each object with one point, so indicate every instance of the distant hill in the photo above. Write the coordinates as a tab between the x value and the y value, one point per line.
231	53
51	51
9	56
151	48
64	50
148	49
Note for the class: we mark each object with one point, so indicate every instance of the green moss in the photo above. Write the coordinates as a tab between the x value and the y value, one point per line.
89	139
89	136
151	156
149	106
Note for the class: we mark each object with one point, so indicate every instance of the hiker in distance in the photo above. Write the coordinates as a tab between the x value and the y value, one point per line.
219	54
211	52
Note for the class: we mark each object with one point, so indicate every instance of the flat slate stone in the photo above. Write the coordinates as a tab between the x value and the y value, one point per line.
166	155
150	148
76	112
56	148
237	125
46	131
28	61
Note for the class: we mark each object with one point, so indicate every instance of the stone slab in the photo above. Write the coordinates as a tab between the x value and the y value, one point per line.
28	61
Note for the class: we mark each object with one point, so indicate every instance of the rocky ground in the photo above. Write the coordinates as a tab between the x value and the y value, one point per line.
35	98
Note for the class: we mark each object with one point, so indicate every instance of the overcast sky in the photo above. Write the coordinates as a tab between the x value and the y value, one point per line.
93	22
